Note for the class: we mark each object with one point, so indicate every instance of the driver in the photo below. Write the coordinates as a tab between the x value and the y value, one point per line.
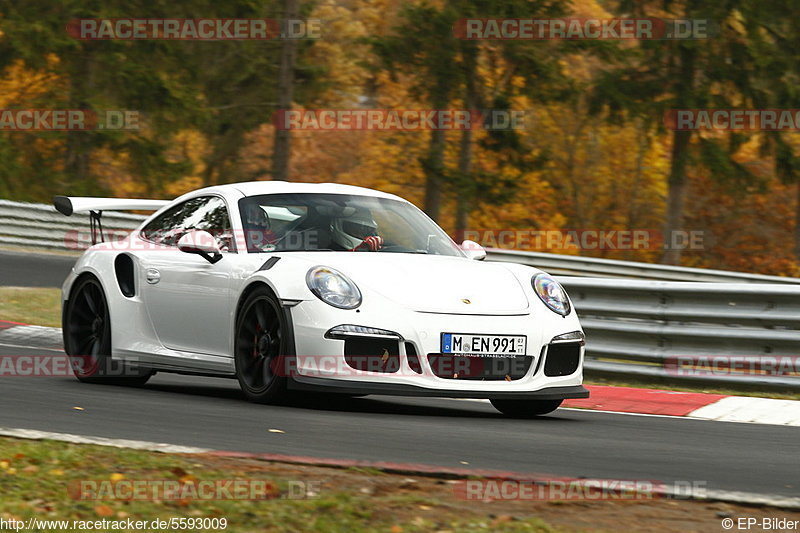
359	231
258	233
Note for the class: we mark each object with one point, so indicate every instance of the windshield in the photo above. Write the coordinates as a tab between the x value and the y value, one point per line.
339	222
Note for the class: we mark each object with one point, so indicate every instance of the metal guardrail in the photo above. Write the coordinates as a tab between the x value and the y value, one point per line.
570	265
727	334
635	328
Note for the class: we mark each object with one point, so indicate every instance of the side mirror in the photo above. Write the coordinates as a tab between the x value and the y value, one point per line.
473	250
201	243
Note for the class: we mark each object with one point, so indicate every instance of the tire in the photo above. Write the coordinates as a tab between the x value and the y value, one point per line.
87	339
526	408
261	348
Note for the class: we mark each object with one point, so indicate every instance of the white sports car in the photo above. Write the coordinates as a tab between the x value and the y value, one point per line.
318	288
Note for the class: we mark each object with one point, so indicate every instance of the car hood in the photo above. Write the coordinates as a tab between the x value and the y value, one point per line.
433	284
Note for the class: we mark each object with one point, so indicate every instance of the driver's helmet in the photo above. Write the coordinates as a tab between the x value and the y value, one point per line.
256	224
350	232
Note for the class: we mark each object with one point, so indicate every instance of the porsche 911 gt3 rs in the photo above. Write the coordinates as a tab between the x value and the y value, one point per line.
296	287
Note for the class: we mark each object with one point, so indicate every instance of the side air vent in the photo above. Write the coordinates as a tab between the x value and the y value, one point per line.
124	269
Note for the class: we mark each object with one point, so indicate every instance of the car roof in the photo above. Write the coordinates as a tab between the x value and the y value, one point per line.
255	188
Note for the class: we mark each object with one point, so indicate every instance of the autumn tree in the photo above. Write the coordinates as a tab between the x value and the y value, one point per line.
772	36
104	74
423	46
657	76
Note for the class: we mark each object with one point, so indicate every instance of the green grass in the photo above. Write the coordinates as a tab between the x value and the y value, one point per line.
35	475
29	305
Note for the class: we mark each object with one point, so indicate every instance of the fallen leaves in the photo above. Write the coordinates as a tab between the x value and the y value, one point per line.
104	510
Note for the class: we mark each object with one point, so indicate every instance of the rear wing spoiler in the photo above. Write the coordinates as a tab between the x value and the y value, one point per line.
68	205
76	204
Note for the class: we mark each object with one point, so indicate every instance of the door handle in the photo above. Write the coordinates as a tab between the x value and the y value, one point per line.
152	276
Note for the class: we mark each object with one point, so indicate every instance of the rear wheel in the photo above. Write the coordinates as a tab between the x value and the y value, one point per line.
526	408
261	348
87	339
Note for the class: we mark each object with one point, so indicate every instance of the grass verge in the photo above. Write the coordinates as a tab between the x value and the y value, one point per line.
31	305
35	477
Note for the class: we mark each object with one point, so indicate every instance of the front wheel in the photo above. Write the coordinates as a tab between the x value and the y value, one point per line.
526	408
87	339
261	348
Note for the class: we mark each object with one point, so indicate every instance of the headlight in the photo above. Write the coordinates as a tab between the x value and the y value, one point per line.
551	293
333	287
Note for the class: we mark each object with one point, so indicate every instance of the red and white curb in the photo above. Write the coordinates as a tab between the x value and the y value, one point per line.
27	336
700	406
695	405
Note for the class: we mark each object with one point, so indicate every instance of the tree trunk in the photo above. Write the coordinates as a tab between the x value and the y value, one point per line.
677	194
79	146
433	165
466	192
281	150
680	156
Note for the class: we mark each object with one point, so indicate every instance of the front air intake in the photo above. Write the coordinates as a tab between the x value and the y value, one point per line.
562	359
372	354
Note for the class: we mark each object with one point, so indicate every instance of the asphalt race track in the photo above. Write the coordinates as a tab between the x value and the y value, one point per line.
27	269
212	413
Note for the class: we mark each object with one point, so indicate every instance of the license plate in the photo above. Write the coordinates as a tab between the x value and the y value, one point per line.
477	344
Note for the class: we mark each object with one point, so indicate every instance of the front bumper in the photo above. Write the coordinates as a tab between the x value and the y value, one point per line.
421	332
338	386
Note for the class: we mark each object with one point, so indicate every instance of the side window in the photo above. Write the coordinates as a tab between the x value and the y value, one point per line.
212	216
206	213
